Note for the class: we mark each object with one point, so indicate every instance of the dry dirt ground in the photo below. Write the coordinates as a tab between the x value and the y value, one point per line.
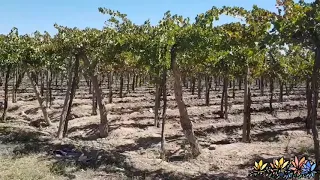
131	151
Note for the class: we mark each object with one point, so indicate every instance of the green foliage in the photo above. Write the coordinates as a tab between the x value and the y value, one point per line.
227	49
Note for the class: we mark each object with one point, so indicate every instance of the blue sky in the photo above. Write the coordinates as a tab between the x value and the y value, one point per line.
29	16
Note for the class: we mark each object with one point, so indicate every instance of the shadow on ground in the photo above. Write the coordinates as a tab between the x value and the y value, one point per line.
113	161
92	132
200	132
83	157
231	130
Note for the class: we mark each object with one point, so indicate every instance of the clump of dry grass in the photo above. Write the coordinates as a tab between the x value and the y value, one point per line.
26	168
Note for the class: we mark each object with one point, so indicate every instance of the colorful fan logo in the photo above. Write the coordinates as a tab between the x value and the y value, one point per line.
285	169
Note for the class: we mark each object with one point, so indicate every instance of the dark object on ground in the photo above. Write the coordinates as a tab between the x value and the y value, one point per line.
1	105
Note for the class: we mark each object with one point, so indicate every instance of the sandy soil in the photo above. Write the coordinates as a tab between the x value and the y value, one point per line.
131	151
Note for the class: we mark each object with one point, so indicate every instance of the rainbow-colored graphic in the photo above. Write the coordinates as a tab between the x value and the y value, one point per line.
285	169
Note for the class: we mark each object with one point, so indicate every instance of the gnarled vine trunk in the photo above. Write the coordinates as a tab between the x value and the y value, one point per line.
94	103
128	82
103	127
157	102
121	85
315	94
199	86
309	105
225	84
233	89
110	80
133	81
193	82
207	85
281	91
262	86
246	109
14	94
6	98
184	117
164	95
19	80
40	99
271	94
63	115
74	85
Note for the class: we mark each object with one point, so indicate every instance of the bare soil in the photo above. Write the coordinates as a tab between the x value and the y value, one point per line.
132	149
